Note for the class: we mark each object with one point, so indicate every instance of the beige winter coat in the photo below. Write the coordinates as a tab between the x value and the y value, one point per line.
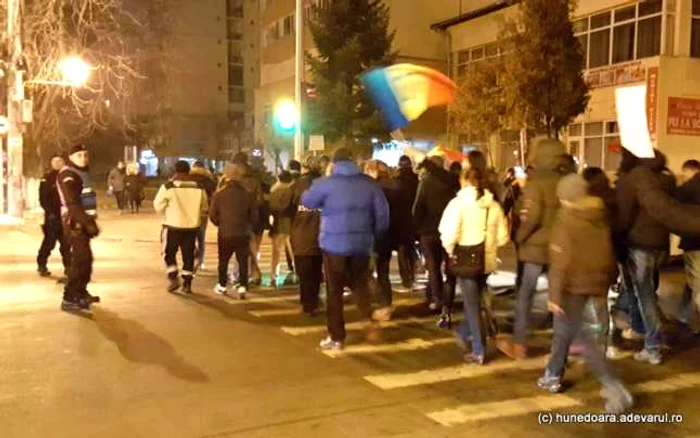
464	223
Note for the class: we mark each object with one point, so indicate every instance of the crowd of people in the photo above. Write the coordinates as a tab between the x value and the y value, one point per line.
339	221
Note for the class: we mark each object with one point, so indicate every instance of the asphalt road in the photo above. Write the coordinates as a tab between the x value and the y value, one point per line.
146	363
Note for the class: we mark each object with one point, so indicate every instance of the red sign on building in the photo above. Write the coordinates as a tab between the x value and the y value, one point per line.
652	98
683	116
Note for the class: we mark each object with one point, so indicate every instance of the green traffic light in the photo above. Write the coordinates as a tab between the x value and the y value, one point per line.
286	116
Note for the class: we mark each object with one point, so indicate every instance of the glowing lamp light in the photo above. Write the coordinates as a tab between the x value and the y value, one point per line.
74	71
286	116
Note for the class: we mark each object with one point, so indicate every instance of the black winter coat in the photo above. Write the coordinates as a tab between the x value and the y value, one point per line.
636	225
689	193
307	223
233	210
390	241
48	195
408	188
435	191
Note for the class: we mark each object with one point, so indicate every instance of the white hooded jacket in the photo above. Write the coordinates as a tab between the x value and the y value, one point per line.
464	223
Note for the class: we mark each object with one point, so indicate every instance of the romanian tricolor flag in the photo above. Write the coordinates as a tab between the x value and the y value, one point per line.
403	92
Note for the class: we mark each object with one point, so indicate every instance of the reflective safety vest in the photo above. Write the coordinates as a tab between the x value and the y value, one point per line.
88	196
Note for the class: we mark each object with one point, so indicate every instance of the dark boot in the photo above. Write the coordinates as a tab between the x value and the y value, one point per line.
173	282
43	271
187	285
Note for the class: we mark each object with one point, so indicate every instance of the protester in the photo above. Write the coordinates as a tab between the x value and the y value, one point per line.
115	181
234	212
283	210
324	164
79	218
537	216
353	212
201	175
254	184
134	185
52	227
308	258
473	221
435	191
648	244
295	170
581	228
689	193
513	184
408	187
385	244
183	202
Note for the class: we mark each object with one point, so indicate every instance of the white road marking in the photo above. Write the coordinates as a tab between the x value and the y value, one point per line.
358	325
295	311
508	408
458	372
409	345
468	413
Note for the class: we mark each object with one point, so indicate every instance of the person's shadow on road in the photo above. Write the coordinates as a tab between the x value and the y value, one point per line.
137	344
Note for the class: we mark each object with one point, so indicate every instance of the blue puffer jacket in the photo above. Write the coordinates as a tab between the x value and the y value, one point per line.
353	210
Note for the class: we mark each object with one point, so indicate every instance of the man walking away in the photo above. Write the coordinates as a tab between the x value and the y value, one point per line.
308	258
78	215
183	202
116	183
435	191
408	188
689	193
537	216
353	212
201	175
283	210
52	228
582	268
234	212
254	185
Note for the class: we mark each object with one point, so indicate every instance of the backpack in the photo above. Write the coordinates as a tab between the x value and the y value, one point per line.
280	200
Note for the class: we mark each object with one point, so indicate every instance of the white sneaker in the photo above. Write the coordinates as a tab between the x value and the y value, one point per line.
403	289
241	292
329	344
220	290
202	267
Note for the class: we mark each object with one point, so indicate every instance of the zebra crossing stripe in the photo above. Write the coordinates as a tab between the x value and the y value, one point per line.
295	311
448	374
358	325
409	345
468	413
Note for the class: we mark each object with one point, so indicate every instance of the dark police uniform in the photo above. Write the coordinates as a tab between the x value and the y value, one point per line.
78	215
53	229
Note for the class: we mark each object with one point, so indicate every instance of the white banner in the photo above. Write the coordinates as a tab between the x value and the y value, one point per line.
630	103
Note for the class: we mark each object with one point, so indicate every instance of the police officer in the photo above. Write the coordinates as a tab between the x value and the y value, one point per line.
78	215
52	228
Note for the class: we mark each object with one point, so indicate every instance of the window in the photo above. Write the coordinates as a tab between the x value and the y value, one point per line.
695	31
235	54
465	57
236	95
624	34
288	25
271	33
235	75
234	8
596	144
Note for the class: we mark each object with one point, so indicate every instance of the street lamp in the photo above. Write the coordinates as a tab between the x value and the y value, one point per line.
74	71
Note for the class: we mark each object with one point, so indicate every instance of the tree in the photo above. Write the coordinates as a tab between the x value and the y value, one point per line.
123	40
543	81
480	108
351	36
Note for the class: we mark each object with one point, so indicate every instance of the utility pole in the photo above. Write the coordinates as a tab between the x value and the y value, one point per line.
298	77
15	95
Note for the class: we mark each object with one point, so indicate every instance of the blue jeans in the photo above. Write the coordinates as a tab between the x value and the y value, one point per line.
566	328
643	265
690	303
528	287
201	243
472	325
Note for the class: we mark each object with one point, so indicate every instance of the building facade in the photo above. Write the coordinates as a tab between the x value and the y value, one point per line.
652	42
211	74
414	43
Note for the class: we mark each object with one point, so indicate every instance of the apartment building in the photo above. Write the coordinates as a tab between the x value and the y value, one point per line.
414	42
652	42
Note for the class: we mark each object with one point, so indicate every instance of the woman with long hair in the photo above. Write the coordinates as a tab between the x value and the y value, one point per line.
473	224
